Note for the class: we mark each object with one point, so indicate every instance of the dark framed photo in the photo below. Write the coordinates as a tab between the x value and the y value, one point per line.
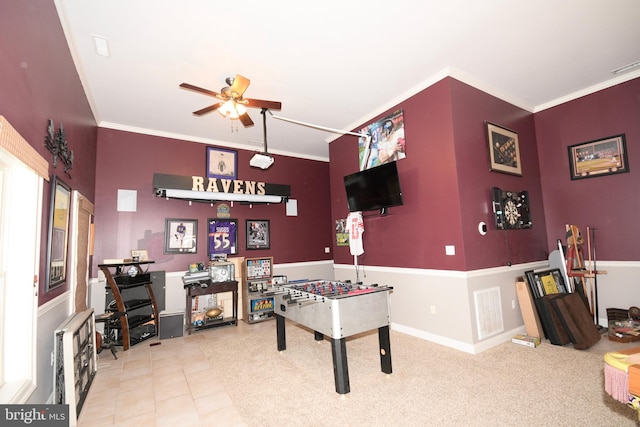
58	233
605	156
180	236
222	236
504	150
222	163
546	282
258	231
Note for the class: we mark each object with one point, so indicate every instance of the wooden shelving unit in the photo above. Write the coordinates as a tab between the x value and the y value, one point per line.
130	285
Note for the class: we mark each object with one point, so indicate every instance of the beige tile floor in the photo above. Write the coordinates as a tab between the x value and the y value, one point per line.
170	384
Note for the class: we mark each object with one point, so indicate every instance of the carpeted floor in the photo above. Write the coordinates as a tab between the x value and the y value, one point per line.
431	385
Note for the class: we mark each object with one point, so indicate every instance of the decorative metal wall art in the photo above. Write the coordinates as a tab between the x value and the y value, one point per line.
56	142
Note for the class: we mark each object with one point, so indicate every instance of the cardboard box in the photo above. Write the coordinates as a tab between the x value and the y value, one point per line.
532	324
526	340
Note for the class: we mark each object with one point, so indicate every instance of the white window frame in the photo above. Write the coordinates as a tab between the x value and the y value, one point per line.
21	192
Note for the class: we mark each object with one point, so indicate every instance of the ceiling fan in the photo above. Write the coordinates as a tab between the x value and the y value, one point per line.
232	103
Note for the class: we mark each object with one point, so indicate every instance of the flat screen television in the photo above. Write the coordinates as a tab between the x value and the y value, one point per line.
374	188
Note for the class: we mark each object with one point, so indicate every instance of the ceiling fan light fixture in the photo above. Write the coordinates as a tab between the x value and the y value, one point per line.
227	109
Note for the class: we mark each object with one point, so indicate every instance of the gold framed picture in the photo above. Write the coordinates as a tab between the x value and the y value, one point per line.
504	150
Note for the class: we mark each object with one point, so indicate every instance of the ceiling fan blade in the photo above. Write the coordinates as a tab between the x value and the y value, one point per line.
246	120
199	89
208	109
260	103
240	84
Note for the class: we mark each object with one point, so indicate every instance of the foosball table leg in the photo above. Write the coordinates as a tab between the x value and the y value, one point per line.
385	349
340	368
281	333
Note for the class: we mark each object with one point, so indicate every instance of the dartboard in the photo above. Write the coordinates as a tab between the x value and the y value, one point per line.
511	212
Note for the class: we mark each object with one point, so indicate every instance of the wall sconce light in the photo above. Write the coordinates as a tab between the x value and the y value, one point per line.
56	142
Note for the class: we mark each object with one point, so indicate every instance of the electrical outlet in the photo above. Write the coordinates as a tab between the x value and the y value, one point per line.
327	250
513	304
433	309
450	250
52	358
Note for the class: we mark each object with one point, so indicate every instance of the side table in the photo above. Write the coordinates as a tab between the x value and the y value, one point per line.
211	288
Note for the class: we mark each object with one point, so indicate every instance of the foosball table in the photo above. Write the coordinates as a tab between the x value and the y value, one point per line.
337	310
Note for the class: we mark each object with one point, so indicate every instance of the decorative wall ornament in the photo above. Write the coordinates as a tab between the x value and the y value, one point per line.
56	142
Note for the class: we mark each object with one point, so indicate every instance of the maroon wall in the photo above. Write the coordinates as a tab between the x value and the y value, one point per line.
39	82
446	186
411	235
129	160
610	204
471	108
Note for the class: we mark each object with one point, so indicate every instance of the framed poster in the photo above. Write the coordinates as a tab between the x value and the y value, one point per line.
258	234
386	142
222	163
342	234
222	236
180	236
58	233
504	150
601	157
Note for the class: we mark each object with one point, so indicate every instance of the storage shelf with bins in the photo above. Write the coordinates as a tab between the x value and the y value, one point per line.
129	293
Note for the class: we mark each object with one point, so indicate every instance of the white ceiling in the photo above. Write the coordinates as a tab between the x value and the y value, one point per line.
335	63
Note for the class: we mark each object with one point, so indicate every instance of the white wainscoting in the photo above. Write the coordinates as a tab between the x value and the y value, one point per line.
438	305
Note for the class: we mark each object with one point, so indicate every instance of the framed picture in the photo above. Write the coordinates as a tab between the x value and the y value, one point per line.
141	254
545	282
386	143
600	157
223	236
258	234
58	233
180	236
342	234
504	150
222	163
